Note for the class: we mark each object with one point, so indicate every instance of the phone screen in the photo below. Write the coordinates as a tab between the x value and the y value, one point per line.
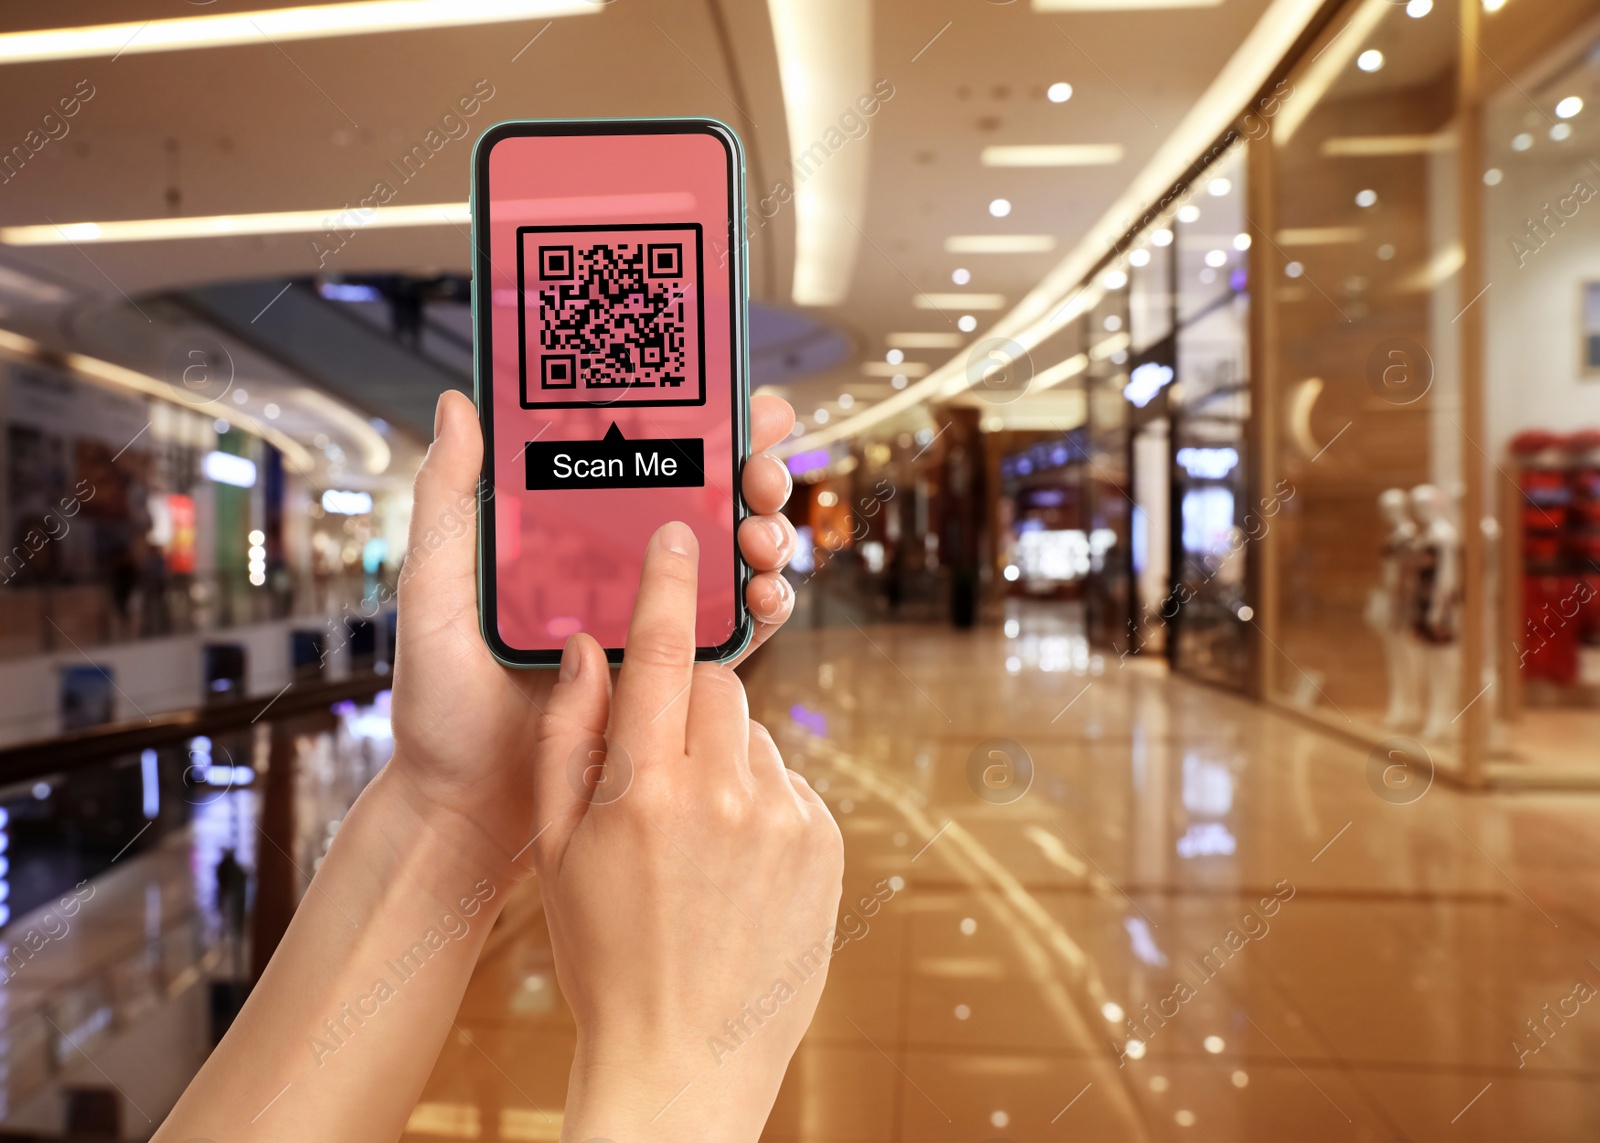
611	381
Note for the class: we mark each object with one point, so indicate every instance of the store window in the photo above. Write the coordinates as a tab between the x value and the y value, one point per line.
1363	274
1541	355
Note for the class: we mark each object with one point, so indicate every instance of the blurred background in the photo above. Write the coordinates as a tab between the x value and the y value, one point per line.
1198	481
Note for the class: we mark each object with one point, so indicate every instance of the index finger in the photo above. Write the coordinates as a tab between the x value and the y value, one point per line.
771	418
651	706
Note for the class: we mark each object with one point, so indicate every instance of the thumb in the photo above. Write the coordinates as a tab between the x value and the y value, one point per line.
573	765
437	581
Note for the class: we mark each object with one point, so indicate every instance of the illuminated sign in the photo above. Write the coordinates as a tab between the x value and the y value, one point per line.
1147	381
225	468
1208	463
342	503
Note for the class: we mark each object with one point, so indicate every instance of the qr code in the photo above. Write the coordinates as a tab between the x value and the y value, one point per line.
610	316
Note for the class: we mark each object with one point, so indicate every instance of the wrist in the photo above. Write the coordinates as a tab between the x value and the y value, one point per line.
433	849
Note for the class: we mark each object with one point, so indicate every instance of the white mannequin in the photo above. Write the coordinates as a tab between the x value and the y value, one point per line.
1389	606
1437	611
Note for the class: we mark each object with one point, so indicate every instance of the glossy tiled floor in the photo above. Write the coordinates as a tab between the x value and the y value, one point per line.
1376	996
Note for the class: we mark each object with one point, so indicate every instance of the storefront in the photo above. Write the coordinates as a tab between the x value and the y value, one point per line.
1356	430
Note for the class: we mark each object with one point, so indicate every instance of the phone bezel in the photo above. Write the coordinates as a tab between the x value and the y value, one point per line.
483	387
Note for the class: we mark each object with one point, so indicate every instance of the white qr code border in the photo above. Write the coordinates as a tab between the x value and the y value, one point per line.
613	401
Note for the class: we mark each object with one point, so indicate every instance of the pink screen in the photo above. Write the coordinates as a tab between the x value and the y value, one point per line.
612	360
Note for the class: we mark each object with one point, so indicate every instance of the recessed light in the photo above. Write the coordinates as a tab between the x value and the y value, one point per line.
1162	237
1366	198
1114	279
1370	60
1000	207
1219	187
1561	132
1139	258
1386	252
1189	213
1493	5
272	411
967	323
846	400
1207	276
1569	107
1522	142
961	276
1112	322
898	381
1216	259
1241	242
894	357
1417	9
1493	177
1058	92
820	416
1294	269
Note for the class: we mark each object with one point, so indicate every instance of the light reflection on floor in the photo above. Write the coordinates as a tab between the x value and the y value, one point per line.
1201	892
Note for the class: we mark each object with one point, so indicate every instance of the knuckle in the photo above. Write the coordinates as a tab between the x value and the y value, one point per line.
659	645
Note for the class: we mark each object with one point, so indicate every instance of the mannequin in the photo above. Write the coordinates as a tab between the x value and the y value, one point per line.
1389	609
1436	612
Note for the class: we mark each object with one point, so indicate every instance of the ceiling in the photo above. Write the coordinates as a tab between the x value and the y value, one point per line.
312	125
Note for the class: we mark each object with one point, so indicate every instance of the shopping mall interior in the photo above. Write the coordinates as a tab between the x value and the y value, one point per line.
1196	517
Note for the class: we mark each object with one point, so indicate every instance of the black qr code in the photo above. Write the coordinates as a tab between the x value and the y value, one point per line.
611	316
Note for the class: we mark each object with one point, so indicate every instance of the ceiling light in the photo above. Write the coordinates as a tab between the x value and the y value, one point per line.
824	63
1000	244
961	276
967	323
1162	237
1493	5
272	411
959	301
1052	155
846	400
1366	198
1369	146
898	381
1114	279
1118	5
1219	187
1139	258
926	340
1569	107
1386	252
274	26
1320	235
1000	207
1113	322
231	225
1059	92
1216	259
894	357
1370	60
1189	213
1241	242
820	416
1417	9
1519	143
1561	132
1294	269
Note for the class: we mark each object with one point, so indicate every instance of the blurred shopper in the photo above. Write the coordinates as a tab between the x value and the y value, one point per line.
681	864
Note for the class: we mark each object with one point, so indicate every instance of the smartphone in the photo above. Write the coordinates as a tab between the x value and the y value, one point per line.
611	375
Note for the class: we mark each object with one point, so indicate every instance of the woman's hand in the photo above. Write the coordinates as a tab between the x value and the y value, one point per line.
464	726
690	880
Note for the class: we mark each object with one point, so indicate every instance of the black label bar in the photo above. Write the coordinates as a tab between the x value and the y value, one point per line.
616	462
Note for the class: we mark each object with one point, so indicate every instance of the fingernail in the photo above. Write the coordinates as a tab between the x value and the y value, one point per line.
571	660
676	537
778	534
438	415
788	477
